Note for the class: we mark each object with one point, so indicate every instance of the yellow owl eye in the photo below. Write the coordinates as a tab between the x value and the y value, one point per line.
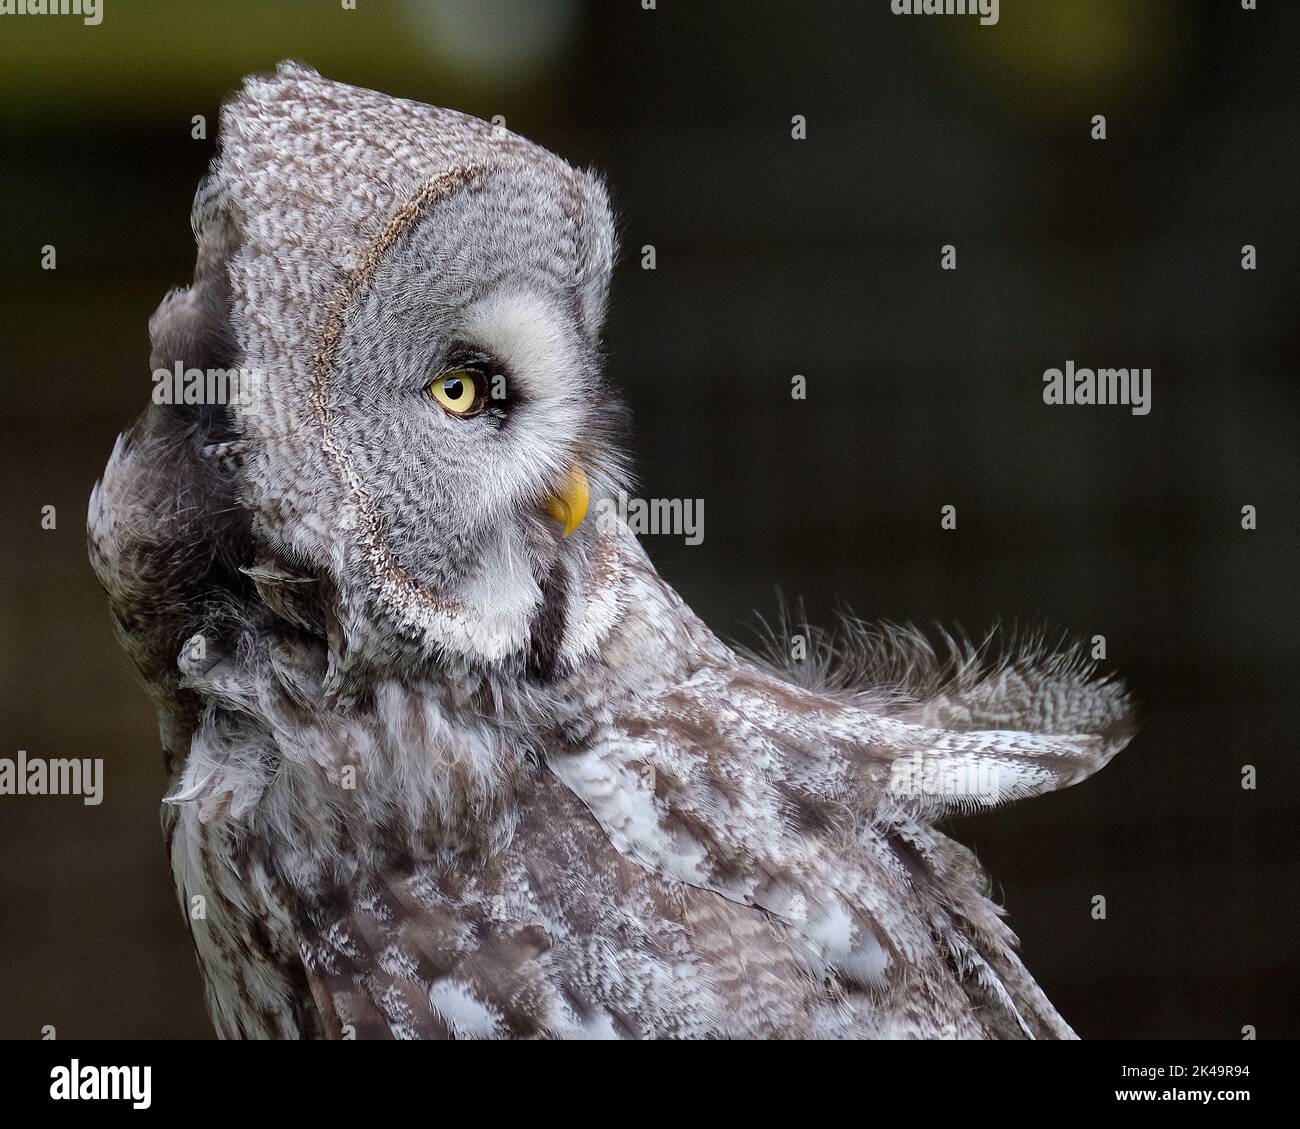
462	393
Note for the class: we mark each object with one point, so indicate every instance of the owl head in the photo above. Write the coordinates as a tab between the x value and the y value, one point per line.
414	298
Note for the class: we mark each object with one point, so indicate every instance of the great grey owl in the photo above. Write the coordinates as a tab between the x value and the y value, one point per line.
448	760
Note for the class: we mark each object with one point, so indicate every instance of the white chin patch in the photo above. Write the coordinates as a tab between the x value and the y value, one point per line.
595	599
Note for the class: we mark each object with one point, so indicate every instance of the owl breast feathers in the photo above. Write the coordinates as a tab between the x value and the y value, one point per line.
444	766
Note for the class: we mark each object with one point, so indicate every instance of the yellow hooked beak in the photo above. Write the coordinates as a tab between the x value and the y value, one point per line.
569	505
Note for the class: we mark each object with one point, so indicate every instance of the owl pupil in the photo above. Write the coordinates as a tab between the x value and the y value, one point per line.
454	388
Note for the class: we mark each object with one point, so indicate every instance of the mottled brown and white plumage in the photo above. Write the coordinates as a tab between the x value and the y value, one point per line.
439	770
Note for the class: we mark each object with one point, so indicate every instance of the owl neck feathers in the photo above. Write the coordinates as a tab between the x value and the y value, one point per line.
316	748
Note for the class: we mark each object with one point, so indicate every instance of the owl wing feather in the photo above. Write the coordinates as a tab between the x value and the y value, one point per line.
816	809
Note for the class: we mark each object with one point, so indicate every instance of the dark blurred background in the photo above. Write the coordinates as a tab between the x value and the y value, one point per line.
775	257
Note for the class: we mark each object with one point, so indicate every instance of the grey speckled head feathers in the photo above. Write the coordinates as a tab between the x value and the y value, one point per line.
362	238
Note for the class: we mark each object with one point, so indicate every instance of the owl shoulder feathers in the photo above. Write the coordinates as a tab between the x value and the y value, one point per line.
813	803
704	849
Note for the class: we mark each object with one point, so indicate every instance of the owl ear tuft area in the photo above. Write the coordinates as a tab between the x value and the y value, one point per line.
597	247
